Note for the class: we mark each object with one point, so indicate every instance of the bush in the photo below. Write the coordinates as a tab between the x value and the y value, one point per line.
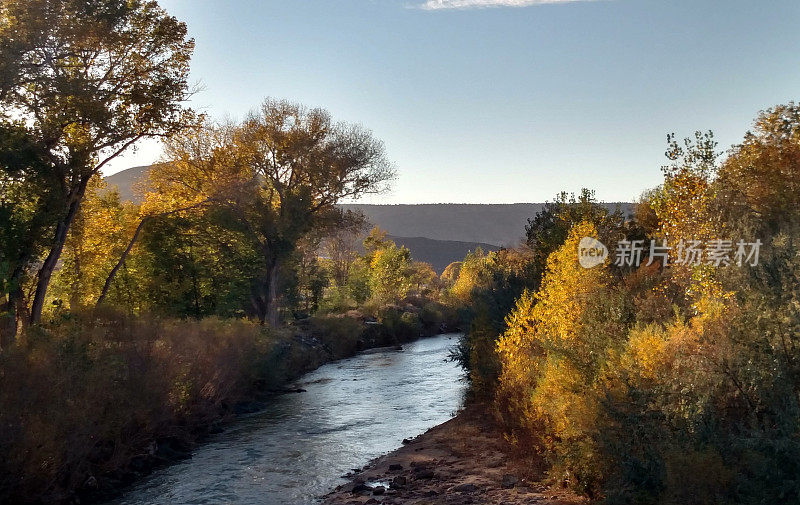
435	317
342	335
400	326
88	395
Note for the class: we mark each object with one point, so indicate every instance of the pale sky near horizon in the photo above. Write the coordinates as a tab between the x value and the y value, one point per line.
501	101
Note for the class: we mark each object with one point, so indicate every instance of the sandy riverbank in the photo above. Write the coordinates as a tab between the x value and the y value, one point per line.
463	461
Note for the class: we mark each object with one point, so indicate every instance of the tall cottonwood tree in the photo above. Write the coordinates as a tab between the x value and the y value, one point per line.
81	81
758	184
279	174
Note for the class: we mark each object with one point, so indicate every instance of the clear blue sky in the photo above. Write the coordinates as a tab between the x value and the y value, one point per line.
509	103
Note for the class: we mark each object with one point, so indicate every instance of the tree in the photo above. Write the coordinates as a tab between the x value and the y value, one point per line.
95	240
340	250
82	81
548	230
307	278
27	197
424	280
683	206
374	242
553	353
450	273
191	264
279	175
390	273
758	185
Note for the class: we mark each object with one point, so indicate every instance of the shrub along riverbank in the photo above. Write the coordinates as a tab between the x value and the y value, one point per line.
100	401
666	380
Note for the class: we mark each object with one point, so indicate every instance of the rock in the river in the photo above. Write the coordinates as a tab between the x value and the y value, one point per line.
378	490
359	486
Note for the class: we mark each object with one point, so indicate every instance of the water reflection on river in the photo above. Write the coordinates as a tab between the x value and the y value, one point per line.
353	411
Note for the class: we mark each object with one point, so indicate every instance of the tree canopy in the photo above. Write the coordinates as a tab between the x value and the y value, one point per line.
80	82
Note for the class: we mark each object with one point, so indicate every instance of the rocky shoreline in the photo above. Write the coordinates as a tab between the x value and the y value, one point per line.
462	461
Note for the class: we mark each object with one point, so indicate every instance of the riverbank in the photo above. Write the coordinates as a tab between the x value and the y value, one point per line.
108	398
462	461
351	412
298	351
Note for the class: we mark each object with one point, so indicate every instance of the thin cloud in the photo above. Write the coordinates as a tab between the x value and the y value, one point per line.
433	5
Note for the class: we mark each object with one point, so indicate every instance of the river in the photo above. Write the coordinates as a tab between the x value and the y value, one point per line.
298	448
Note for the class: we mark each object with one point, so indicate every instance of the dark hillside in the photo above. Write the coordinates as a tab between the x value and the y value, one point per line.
435	233
439	253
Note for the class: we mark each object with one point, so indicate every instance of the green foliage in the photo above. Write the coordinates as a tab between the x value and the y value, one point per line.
189	267
358	282
383	277
87	80
29	196
340	334
305	280
399	325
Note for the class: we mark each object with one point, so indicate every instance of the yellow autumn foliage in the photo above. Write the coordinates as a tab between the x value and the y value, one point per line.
545	386
468	275
95	242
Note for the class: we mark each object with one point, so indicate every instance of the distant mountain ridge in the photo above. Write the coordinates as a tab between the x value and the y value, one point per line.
495	224
126	181
437	233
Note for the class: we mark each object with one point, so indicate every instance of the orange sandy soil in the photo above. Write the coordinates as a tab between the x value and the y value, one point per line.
463	461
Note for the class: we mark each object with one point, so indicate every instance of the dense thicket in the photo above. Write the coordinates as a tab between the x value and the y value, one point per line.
674	380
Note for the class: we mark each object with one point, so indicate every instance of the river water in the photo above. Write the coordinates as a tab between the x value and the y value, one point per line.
297	449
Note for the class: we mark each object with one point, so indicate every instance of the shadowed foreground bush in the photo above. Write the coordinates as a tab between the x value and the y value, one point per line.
84	401
88	404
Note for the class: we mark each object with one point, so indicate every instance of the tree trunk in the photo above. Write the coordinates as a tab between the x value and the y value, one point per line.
49	265
264	297
272	295
119	264
8	324
127	251
13	311
259	307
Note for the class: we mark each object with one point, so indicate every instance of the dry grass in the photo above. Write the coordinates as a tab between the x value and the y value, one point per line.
86	397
